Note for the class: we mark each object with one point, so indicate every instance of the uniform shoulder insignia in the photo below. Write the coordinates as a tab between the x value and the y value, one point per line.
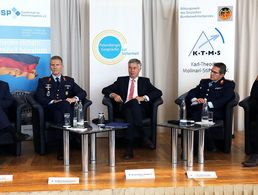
66	78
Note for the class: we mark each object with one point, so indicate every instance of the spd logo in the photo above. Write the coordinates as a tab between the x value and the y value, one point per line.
8	12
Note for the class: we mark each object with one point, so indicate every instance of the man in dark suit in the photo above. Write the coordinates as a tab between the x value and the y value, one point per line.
252	161
57	94
132	95
6	100
218	91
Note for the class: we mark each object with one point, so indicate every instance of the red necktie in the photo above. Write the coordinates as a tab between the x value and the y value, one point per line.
131	90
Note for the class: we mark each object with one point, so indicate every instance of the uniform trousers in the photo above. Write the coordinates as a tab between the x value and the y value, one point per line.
55	113
211	134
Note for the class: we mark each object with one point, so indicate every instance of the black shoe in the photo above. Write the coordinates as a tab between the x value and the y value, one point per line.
252	161
60	156
17	136
128	154
148	144
211	148
20	136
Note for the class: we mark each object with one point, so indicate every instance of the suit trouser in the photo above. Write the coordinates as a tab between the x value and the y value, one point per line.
254	135
134	114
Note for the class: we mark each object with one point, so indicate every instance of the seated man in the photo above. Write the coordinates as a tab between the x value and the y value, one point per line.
6	100
57	94
133	94
253	159
218	91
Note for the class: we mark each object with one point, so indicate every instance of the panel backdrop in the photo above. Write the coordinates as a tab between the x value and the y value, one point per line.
24	42
206	35
115	37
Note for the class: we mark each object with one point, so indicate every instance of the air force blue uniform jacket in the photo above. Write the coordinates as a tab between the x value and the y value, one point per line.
219	94
48	90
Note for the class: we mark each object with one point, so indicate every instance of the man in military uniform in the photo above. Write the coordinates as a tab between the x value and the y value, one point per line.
218	91
57	94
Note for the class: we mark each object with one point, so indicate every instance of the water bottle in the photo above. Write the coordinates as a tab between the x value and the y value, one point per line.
75	114
101	118
205	112
80	116
182	120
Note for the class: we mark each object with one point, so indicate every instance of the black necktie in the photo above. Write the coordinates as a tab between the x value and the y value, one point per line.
57	81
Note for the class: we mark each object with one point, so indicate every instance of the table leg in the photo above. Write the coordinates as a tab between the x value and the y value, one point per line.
201	146
174	134
85	152
112	142
66	147
184	140
190	139
93	148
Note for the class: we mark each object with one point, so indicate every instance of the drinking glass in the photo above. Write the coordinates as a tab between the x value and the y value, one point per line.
210	117
67	120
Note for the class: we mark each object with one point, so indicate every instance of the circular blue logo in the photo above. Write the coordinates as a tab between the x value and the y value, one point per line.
109	47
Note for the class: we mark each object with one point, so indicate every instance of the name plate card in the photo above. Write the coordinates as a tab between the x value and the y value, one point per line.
140	174
63	180
4	178
201	174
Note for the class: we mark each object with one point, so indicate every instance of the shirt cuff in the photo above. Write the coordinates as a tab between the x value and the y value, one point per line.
210	104
51	102
146	98
193	100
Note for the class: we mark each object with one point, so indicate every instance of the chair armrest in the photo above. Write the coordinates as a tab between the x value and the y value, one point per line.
228	123
229	108
36	107
108	102
86	105
155	106
19	104
156	103
38	121
245	104
180	98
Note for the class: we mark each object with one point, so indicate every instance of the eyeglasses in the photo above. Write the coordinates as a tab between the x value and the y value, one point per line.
212	71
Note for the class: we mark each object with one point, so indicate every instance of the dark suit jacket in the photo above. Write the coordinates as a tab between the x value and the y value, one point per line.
48	90
220	93
254	101
6	100
120	87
